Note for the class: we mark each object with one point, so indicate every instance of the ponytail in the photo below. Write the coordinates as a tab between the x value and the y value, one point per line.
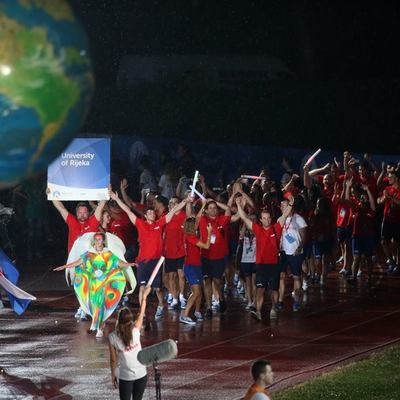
125	326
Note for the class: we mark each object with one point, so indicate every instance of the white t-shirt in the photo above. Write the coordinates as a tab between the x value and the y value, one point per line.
249	249
291	238
147	180
130	368
167	190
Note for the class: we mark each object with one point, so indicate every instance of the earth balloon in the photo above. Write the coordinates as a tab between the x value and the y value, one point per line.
46	83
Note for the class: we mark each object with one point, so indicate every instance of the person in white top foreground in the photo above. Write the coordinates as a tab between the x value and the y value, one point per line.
127	372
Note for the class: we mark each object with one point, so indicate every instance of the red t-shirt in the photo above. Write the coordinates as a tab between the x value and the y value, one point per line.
150	239
267	243
343	216
219	245
122	228
77	229
364	221
391	212
174	238
193	254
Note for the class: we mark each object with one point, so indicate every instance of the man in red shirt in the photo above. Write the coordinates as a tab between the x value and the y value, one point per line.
213	259
268	269
174	252
78	225
82	222
390	233
363	242
151	246
343	227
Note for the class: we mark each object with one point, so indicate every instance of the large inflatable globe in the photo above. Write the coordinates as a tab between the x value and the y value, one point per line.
46	83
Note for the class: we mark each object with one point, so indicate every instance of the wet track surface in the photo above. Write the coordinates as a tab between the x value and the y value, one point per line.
46	354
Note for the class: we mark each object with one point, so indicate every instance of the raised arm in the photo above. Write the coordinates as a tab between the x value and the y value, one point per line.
370	197
123	206
379	179
319	171
200	212
61	209
205	245
99	209
205	189
172	212
123	186
243	215
347	186
289	186
286	213
237	188
139	319
73	264
225	207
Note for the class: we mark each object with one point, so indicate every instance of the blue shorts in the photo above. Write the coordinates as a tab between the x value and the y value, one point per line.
248	269
144	270
363	245
344	234
213	268
294	263
321	248
193	274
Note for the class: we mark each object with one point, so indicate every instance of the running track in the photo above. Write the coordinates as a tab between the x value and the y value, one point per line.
45	354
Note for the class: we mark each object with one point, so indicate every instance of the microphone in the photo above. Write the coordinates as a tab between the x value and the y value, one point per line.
159	352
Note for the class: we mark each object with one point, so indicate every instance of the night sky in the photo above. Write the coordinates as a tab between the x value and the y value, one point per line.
343	90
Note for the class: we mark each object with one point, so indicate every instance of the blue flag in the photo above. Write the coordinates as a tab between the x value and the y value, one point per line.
18	304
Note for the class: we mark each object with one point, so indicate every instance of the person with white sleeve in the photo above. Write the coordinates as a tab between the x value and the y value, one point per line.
127	372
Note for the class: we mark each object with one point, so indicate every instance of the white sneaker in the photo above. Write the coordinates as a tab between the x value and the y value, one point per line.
215	306
183	303
173	305
159	312
304	285
199	316
293	294
186	320
169	298
83	316
99	333
273	314
78	313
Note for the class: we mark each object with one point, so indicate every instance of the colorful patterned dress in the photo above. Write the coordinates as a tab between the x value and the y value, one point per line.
99	284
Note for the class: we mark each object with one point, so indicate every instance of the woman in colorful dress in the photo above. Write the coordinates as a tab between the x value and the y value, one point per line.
99	281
